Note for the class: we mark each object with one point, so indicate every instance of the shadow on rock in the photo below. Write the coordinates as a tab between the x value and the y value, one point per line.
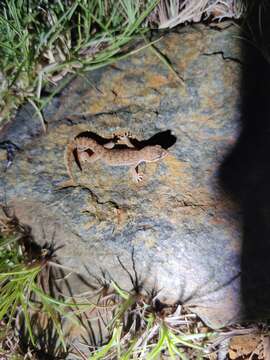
47	346
165	139
246	171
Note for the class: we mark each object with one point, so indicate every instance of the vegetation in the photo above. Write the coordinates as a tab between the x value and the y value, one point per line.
44	43
25	284
141	327
37	321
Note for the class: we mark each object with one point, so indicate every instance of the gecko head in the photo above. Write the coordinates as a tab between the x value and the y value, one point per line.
154	153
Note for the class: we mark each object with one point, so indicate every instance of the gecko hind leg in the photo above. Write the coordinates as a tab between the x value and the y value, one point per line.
87	157
84	156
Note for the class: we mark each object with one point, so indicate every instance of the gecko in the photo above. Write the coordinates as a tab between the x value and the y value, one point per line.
89	150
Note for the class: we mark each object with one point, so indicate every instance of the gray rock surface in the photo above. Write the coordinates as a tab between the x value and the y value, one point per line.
184	232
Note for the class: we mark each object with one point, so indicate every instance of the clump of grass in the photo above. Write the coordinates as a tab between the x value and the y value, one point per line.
24	300
41	42
47	343
170	13
141	327
137	325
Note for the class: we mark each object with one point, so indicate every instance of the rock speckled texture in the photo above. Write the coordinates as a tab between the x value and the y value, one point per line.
183	230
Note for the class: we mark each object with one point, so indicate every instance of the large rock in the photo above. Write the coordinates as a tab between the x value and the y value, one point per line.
184	232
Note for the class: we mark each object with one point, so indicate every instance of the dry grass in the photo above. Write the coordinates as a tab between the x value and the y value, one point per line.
170	13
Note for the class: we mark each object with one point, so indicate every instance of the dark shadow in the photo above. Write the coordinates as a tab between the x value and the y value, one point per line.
136	281
245	174
164	139
47	346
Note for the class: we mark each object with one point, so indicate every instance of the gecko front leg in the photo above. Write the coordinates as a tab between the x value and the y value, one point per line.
124	138
136	176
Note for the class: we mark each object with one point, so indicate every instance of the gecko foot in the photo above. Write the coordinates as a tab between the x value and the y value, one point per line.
138	178
122	135
123	138
83	156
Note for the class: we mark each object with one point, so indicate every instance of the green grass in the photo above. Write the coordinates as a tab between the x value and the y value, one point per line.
43	41
25	270
20	292
140	330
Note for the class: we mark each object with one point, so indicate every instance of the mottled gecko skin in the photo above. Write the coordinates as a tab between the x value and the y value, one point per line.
129	156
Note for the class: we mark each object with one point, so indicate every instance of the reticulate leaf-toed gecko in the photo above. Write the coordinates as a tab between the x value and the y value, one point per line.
89	151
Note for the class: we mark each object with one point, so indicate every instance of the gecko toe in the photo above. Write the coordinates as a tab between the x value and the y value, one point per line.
129	134
122	135
139	178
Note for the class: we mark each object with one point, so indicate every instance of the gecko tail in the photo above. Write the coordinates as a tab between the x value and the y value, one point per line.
73	149
76	157
66	184
70	151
